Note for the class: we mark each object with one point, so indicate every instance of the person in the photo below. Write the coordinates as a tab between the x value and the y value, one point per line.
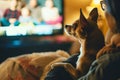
26	19
50	13
106	67
35	11
11	14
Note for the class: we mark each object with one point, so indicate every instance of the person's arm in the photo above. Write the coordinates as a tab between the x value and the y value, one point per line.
106	67
18	14
5	13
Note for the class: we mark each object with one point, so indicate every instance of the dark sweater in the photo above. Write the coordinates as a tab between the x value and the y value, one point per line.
106	67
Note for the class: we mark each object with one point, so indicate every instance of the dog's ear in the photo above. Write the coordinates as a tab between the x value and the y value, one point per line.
93	15
83	23
83	20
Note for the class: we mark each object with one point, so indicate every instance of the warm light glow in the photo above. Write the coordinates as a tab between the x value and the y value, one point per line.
96	1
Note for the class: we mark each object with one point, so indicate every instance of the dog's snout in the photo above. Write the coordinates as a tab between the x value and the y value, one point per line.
66	26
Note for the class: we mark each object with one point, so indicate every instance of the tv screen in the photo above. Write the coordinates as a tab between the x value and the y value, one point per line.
45	28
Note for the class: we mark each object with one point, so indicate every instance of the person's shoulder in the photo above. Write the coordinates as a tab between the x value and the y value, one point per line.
8	9
108	58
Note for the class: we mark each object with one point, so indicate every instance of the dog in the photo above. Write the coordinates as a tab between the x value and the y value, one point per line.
91	39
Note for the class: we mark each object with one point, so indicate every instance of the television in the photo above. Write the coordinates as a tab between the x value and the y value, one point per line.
19	34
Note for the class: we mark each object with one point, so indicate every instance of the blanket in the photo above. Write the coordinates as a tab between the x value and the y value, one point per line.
33	66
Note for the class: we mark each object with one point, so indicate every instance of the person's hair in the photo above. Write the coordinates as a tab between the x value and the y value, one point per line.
114	8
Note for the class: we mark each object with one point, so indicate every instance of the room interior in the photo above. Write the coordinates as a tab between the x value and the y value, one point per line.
63	42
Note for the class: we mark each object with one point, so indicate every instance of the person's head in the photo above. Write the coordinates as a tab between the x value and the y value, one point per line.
112	12
33	3
49	3
14	3
25	12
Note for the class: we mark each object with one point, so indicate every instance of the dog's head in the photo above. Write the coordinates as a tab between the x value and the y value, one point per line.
82	27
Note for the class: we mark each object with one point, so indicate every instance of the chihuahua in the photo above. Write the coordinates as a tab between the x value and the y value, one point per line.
91	39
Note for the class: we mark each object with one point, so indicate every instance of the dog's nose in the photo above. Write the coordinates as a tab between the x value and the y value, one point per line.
66	26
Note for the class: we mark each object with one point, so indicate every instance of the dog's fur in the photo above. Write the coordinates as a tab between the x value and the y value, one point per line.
91	40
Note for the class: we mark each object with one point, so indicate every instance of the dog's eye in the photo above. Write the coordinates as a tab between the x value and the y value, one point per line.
75	26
